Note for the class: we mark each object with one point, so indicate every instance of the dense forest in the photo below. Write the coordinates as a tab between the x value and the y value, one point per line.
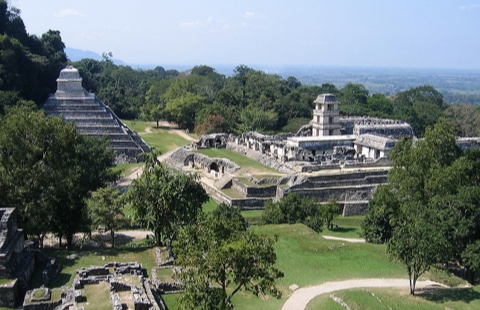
202	99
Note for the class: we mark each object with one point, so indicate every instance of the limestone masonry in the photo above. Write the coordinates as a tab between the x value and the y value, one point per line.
91	117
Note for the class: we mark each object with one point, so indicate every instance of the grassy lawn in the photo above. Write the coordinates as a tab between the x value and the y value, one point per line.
163	140
98	297
246	164
307	259
348	227
253	217
388	298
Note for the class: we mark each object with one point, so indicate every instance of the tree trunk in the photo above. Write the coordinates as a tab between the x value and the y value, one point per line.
157	124
112	234
158	237
69	240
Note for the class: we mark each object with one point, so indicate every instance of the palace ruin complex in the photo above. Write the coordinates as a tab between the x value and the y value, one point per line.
332	157
92	117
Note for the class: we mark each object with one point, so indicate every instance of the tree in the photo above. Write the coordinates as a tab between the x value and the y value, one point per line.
328	212
471	258
164	200
292	209
380	105
420	107
433	197
377	227
418	243
47	169
213	124
354	99
182	110
256	119
218	257
465	118
105	209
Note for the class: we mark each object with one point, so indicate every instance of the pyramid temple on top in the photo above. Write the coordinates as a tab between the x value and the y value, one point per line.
92	117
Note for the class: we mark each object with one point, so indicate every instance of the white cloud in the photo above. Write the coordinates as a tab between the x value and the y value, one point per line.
209	24
470	6
250	14
69	13
189	25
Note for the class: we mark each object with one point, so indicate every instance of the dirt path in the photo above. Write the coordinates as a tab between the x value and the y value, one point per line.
352	240
301	297
173	129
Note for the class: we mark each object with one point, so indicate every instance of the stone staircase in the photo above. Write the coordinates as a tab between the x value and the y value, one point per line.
91	117
224	182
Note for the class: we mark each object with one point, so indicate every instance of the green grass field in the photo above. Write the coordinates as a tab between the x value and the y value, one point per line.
163	140
388	298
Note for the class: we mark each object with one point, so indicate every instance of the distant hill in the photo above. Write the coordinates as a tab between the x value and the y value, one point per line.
75	54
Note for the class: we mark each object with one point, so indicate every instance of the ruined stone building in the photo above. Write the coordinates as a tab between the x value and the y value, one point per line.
329	137
332	157
91	117
17	262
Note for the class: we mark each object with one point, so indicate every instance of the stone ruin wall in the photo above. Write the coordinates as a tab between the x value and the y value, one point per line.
183	157
261	158
253	191
9	294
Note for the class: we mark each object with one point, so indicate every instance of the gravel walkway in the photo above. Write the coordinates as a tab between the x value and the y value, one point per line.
351	240
301	297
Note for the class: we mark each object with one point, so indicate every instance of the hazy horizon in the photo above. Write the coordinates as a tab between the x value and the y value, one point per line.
439	34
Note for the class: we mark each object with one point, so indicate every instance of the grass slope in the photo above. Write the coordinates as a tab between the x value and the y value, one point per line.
307	259
389	298
163	140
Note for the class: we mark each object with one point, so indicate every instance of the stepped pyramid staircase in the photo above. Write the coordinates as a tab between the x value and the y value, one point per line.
91	117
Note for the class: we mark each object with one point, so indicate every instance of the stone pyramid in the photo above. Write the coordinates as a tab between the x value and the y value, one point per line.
91	117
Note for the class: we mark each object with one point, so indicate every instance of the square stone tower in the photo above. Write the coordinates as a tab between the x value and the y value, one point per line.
326	116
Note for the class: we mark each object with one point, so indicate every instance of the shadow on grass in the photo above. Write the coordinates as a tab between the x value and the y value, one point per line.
342	229
441	295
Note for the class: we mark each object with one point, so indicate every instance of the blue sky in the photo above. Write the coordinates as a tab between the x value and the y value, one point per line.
361	33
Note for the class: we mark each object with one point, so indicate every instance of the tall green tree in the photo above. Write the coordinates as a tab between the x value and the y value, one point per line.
28	65
418	242
106	209
354	99
219	257
433	184
465	118
163	200
47	169
292	209
420	106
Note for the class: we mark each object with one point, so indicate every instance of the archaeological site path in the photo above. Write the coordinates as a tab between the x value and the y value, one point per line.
301	297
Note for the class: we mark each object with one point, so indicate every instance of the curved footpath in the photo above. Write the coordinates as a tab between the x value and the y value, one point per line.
301	297
351	240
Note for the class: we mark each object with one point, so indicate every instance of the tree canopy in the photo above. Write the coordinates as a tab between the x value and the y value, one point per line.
294	208
433	185
164	200
219	257
47	170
